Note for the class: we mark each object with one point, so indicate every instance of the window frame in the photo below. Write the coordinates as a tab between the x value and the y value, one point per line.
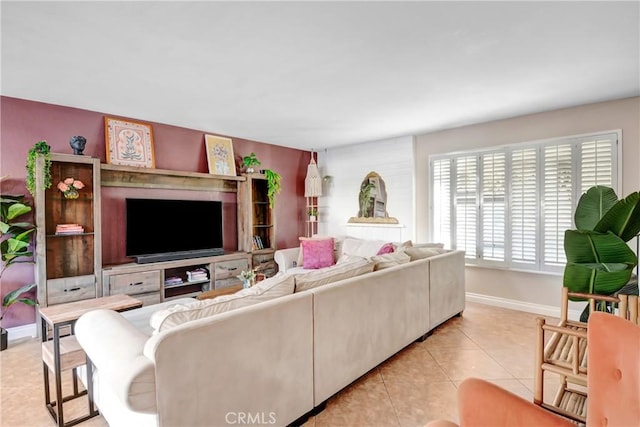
539	265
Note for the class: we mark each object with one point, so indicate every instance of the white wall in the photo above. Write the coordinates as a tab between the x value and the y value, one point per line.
528	289
393	160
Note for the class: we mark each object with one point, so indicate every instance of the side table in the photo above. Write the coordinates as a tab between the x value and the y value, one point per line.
65	353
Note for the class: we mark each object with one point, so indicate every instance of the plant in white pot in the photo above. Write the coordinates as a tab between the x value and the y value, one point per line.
313	214
15	238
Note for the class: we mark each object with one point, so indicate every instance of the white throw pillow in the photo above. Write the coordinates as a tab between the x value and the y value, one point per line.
279	285
361	247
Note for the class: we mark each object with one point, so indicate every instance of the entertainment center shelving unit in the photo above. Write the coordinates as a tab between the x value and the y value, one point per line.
69	267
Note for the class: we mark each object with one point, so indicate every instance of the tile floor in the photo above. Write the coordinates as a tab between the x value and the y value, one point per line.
413	387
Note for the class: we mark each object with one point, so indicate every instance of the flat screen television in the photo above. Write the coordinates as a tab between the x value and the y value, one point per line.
164	230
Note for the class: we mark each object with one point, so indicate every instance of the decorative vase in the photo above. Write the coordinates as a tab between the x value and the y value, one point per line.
246	283
71	193
313	218
250	170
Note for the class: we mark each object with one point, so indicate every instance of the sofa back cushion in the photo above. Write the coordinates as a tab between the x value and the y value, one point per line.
332	274
274	287
389	260
423	252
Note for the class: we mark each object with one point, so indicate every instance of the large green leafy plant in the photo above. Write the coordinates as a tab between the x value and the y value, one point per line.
15	238
598	258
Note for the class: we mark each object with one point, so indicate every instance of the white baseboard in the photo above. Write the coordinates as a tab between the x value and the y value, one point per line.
529	307
24	331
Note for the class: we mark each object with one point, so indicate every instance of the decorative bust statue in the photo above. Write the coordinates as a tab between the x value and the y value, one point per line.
78	143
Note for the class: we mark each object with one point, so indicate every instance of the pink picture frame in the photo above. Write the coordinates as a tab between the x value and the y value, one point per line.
129	143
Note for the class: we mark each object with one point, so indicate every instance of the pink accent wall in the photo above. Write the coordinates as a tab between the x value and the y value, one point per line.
23	123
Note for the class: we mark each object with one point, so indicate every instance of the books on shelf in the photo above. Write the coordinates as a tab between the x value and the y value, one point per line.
173	281
257	243
197	275
69	229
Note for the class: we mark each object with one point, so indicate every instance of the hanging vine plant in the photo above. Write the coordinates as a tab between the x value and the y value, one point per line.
39	148
273	185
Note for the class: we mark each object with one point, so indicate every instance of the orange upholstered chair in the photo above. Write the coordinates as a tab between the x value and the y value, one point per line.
613	385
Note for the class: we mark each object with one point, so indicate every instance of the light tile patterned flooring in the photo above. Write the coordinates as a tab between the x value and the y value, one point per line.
413	387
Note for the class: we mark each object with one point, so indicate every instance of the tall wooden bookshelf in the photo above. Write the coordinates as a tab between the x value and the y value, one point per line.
68	265
256	223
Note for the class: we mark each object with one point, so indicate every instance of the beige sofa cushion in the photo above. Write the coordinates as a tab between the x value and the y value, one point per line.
274	287
424	252
332	274
389	260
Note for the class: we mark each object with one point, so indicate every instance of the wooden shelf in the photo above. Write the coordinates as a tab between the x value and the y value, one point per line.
129	176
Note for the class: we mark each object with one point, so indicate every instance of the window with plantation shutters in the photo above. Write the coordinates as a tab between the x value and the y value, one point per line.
524	205
493	206
441	190
465	197
510	205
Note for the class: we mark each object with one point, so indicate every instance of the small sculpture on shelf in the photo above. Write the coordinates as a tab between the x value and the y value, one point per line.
78	143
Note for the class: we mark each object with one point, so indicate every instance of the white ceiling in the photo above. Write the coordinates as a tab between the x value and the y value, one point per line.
320	74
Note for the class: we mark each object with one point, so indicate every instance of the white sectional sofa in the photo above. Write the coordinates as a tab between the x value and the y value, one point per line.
268	363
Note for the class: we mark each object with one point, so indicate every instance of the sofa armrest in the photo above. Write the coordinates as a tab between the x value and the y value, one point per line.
115	348
286	258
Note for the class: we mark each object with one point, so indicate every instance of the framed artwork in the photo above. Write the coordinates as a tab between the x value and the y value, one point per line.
220	155
129	143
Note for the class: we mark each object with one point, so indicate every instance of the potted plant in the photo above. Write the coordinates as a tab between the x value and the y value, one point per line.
248	162
39	148
599	261
248	278
313	214
273	185
15	237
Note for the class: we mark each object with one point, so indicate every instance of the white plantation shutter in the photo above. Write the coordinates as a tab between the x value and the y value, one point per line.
493	206
557	199
524	205
465	199
441	193
512	205
596	159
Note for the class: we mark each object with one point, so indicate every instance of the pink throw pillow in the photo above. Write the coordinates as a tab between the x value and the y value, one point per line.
387	248
317	253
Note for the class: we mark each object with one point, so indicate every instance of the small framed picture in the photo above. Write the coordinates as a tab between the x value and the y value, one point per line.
220	155
129	143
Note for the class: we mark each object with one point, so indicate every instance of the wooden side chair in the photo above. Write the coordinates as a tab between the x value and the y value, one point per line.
565	353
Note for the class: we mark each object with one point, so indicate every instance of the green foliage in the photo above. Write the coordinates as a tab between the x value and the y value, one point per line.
39	148
17	296
250	160
598	258
273	185
365	198
14	244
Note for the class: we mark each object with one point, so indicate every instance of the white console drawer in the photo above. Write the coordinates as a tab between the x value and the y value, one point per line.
148	298
135	283
225	283
226	269
70	289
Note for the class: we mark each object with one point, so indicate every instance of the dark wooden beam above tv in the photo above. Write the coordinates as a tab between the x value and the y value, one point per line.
128	176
